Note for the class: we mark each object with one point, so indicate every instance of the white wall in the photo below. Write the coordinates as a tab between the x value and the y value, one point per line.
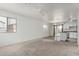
27	29
51	30
78	29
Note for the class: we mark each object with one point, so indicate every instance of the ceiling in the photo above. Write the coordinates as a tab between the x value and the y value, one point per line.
51	12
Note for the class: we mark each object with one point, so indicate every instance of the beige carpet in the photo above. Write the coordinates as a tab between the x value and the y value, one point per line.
41	47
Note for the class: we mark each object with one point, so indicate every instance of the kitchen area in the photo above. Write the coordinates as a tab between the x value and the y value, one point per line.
65	31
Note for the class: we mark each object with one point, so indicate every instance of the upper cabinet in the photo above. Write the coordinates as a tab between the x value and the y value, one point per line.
70	25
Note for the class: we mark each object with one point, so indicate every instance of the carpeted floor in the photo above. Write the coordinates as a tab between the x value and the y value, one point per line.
41	47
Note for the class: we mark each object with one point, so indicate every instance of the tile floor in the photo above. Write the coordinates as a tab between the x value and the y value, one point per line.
41	47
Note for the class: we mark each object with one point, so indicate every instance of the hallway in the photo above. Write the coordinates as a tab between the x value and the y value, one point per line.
41	47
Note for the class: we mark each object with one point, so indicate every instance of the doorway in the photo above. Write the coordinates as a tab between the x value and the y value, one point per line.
57	29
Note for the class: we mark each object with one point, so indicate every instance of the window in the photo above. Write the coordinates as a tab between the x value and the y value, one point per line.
11	25
7	24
